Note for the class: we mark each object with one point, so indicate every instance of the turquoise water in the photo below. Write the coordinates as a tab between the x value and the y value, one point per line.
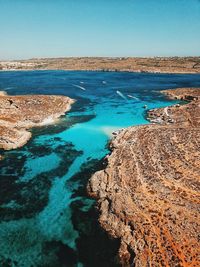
46	217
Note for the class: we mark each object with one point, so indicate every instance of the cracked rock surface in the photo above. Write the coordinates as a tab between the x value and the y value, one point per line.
20	113
148	196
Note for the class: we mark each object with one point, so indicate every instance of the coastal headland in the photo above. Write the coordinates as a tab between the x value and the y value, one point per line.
131	64
20	113
148	195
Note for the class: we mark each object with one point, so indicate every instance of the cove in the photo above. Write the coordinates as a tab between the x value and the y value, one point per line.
46	218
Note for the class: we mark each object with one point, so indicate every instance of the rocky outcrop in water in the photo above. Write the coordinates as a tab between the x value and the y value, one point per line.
20	113
148	195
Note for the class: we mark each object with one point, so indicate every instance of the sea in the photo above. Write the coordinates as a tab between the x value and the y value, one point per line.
46	216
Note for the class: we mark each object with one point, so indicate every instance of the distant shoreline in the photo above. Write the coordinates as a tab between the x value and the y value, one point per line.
142	72
167	65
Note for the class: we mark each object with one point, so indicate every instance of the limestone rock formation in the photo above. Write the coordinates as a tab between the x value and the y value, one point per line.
135	64
20	113
148	196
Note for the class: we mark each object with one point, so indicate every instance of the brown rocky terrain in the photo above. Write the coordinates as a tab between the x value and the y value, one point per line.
20	113
154	64
148	196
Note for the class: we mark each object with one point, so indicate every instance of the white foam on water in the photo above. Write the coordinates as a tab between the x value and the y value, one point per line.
80	87
133	97
121	95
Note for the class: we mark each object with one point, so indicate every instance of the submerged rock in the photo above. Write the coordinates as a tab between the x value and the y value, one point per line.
148	195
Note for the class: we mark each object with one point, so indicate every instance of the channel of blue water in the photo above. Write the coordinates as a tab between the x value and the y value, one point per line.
37	182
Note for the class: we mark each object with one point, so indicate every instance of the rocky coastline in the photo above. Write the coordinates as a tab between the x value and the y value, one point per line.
148	195
128	64
18	114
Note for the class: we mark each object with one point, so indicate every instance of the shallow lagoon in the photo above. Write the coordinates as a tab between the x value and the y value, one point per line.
46	217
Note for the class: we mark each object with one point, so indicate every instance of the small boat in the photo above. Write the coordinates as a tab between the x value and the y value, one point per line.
121	95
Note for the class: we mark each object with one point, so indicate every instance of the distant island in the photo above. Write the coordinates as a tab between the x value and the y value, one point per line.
131	64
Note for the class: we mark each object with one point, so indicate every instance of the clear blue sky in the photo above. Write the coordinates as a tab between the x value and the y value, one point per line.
52	28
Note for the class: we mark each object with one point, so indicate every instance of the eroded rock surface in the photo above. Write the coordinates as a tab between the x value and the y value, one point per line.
20	113
148	195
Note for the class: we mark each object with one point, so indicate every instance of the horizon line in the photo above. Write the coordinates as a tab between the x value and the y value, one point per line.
111	57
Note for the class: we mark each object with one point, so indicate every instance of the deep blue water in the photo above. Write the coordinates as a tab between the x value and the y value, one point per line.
46	217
